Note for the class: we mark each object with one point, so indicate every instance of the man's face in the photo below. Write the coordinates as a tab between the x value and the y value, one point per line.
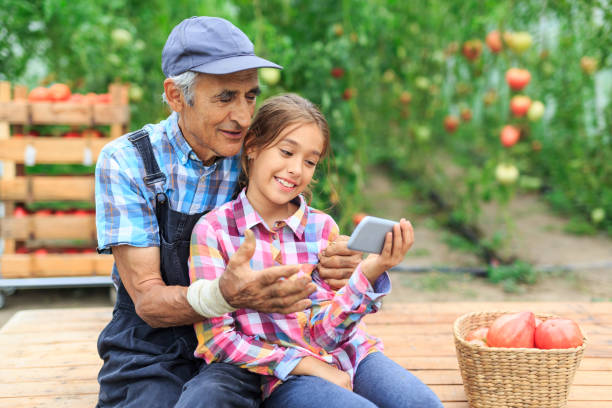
223	106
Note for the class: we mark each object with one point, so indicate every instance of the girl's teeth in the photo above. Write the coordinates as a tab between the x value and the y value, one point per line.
284	183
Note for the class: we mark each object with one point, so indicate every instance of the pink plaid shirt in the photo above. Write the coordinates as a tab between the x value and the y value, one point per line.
272	344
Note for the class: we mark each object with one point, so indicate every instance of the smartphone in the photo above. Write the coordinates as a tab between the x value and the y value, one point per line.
369	236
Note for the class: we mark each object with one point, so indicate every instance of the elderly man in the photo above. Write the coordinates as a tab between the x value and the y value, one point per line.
152	186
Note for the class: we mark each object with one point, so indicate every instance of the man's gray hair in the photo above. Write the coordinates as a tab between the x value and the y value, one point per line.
185	82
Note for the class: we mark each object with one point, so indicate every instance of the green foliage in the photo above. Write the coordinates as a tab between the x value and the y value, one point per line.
510	276
388	51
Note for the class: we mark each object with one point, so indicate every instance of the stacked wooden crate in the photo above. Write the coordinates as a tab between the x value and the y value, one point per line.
32	241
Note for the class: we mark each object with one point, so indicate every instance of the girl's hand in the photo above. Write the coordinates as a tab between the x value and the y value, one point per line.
394	250
313	366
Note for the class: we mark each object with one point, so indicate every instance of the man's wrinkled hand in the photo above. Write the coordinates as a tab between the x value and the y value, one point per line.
268	290
337	262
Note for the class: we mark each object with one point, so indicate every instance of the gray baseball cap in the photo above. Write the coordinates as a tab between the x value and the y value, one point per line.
210	45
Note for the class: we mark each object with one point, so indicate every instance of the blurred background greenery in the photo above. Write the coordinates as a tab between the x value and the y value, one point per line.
418	88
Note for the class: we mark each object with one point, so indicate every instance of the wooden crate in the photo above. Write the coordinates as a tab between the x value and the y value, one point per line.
15	112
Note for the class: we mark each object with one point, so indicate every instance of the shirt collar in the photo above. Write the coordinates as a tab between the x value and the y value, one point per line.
180	145
243	210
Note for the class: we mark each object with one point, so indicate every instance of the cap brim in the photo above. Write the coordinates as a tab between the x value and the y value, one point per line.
234	64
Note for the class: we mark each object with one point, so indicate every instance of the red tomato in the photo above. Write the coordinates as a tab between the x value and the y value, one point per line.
91	98
472	49
71	134
337	72
558	334
59	92
348	94
451	123
466	114
405	97
538	322
517	78
103	98
80	213
43	213
19	212
519	105
41	251
357	217
77	98
494	41
92	133
478	334
39	94
509	135
512	330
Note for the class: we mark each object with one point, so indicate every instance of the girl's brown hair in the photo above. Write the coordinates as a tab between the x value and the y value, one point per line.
275	115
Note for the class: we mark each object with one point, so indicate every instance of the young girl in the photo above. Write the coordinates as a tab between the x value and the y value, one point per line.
322	356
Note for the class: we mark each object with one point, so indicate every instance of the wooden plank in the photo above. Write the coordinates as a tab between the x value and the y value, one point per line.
49	227
61	113
66	363
570	404
47	388
51	401
30	376
454	309
107	114
52	150
15	112
8	167
90	314
40	188
14	266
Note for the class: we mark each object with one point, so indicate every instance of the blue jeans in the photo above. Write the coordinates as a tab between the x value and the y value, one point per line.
378	382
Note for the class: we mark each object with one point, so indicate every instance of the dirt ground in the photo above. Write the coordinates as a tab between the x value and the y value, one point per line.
571	267
574	268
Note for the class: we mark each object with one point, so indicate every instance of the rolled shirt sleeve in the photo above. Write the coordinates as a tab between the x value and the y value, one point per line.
332	322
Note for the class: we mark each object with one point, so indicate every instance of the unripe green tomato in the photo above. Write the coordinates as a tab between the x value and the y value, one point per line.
519	42
135	93
270	76
598	215
121	37
423	133
506	174
536	110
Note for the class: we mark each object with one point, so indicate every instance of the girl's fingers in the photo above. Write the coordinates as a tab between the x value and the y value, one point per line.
408	234
388	245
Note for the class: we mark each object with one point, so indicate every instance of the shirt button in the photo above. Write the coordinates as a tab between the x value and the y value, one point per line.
192	156
321	352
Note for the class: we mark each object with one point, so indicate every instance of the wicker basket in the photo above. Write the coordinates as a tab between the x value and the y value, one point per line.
495	377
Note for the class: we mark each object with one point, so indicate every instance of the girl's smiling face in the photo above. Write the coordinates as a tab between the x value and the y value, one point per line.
281	171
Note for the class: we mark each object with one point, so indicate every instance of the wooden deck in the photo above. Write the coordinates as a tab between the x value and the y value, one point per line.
48	358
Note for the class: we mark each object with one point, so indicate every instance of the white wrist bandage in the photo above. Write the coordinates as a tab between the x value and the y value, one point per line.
206	299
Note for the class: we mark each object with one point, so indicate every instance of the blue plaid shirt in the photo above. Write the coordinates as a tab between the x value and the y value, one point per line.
125	206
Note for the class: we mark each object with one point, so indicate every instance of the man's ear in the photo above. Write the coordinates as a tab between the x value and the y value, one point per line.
174	95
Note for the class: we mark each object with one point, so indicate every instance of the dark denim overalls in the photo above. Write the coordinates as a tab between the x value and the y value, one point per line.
149	367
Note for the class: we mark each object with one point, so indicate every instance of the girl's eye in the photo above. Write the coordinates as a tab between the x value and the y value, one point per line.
286	152
311	163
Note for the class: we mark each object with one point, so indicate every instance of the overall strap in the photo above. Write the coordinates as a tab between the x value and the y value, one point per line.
153	175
